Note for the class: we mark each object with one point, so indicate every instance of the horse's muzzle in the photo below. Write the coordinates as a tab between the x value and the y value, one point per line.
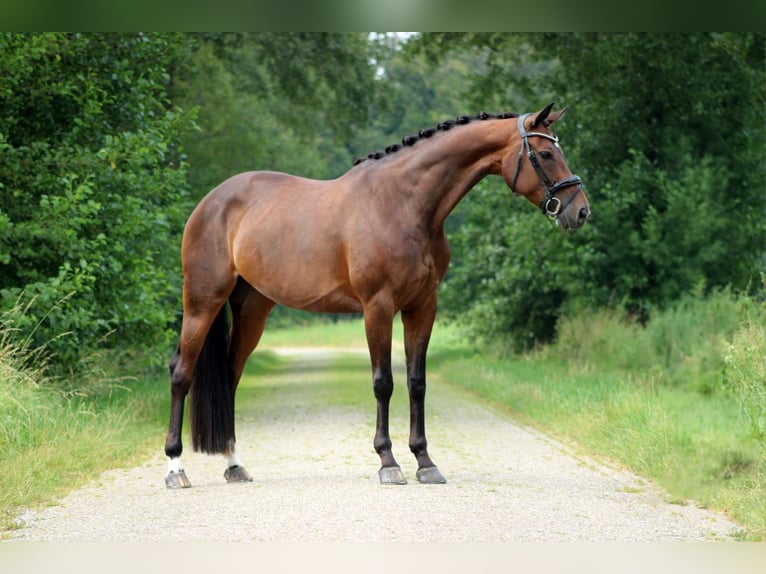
573	217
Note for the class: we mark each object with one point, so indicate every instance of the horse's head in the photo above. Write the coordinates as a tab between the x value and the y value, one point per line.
535	168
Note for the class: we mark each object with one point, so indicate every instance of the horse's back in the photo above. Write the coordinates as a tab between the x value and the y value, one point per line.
283	234
253	202
319	245
249	189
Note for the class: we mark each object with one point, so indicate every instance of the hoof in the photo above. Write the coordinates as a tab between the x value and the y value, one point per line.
237	474
391	475
430	475
177	480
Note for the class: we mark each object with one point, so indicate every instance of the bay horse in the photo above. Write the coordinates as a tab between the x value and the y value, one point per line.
371	241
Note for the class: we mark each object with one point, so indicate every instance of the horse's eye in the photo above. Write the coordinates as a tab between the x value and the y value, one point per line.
546	154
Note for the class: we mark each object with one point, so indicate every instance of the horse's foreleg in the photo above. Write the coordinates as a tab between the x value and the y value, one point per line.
378	324
418	323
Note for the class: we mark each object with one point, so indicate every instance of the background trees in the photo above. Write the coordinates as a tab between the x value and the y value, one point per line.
667	132
92	187
102	162
671	129
284	102
108	140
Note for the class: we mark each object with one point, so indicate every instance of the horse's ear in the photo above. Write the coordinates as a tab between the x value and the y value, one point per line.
542	115
553	116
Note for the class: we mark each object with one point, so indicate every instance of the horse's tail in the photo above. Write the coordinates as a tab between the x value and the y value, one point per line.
211	399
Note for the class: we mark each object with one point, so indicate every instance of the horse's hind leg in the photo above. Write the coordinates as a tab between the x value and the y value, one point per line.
418	323
176	476
249	311
194	330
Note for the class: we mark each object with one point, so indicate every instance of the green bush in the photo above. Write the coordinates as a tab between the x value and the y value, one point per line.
512	269
93	190
661	234
684	345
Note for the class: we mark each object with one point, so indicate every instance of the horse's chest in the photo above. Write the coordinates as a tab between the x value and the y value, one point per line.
416	269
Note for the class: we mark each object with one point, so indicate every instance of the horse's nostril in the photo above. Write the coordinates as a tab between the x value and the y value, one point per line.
584	214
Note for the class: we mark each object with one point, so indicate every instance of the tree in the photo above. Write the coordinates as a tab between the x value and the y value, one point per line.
277	101
93	191
413	94
667	133
671	130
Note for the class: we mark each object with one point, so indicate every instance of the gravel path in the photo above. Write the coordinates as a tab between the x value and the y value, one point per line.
315	479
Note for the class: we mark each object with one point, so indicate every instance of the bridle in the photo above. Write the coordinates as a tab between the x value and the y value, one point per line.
551	205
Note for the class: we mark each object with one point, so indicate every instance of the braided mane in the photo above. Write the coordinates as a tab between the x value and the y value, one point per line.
409	141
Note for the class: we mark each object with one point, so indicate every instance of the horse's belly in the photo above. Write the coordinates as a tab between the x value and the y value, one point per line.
334	302
306	291
297	266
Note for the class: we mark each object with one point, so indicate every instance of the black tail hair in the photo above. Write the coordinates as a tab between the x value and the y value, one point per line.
211	400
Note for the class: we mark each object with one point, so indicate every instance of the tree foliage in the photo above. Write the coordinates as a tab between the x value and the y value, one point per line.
108	140
667	132
276	101
413	94
102	162
92	187
672	134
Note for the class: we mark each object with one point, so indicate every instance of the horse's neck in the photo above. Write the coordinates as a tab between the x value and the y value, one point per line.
438	172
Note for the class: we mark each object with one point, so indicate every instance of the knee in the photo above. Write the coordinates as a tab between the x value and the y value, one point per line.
383	386
174	361
417	387
179	382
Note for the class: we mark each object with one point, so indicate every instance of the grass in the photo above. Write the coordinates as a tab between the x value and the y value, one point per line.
53	440
655	400
323	333
698	447
69	441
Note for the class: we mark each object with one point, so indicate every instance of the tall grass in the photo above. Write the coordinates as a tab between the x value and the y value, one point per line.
25	402
680	400
699	365
682	346
55	436
745	372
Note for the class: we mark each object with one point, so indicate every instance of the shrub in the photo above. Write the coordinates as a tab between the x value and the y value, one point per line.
684	345
93	191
